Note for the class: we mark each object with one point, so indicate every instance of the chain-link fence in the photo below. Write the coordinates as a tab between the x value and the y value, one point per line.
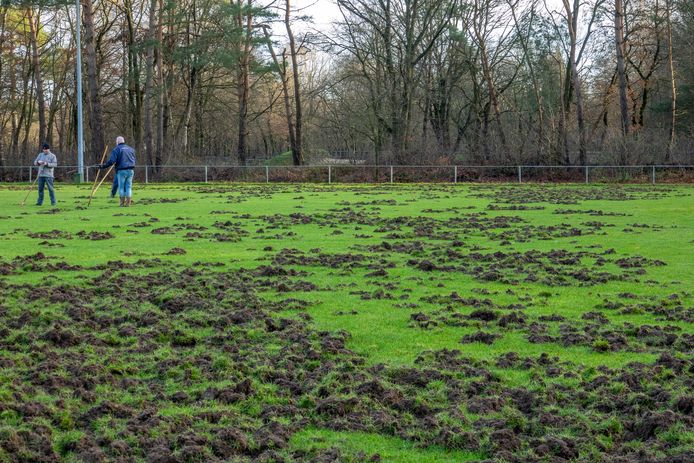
378	174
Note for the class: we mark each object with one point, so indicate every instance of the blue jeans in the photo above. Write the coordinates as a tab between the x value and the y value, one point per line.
114	186
125	183
46	181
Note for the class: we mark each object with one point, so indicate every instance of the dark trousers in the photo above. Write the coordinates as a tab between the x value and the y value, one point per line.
46	181
114	187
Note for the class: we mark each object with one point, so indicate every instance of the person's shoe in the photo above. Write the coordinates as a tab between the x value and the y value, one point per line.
128	201
38	204
122	202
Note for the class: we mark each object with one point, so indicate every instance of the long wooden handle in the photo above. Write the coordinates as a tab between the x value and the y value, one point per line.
97	187
31	187
96	177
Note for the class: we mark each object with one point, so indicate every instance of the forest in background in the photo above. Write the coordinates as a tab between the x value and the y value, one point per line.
565	82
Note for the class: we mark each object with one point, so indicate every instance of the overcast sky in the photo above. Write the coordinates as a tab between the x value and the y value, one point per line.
324	12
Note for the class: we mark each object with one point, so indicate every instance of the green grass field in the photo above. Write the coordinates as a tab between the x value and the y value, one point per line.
240	322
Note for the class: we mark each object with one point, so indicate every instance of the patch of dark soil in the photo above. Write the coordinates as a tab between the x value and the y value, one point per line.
504	440
336	406
593	212
480	336
176	252
557	194
296	257
512	319
163	231
51	245
483	315
685	404
95	235
646	427
553	268
638	262
422	320
61	337
560	447
51	235
148	201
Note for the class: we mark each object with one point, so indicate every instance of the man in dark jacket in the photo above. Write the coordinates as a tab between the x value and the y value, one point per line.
123	156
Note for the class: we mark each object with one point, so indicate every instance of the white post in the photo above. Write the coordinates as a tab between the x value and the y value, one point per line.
520	175
586	174
330	174
391	174
78	97
30	172
267	174
146	174
86	174
455	174
205	174
653	175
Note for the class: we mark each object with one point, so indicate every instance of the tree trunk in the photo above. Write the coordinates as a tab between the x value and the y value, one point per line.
149	87
572	21
282	70
161	85
562	147
25	109
94	107
297	152
531	69
3	161
38	81
621	71
673	86
244	22
480	21
134	90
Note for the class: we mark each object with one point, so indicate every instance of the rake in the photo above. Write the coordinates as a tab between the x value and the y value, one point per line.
31	188
96	177
102	181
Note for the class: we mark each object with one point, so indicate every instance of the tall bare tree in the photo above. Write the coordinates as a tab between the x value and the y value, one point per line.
621	69
673	85
572	14
296	145
34	25
94	108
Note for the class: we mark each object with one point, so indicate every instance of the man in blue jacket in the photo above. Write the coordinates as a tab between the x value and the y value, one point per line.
123	156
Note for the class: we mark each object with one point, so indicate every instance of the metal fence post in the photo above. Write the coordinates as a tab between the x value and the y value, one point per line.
86	174
653	175
146	174
30	179
391	174
205	174
330	175
520	177
455	174
586	174
267	174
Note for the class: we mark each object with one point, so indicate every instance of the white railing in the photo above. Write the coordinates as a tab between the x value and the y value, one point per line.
347	173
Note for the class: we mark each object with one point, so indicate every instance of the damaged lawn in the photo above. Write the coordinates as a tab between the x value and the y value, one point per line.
349	323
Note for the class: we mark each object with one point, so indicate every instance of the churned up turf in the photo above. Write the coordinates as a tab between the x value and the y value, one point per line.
296	323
